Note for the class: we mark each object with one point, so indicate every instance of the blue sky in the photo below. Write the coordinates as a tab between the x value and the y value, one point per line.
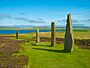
43	12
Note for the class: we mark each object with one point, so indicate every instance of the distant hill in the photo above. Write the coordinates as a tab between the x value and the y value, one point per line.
46	26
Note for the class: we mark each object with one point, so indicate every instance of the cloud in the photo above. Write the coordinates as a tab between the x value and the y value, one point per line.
78	24
28	20
1	18
86	20
5	16
75	21
22	13
64	20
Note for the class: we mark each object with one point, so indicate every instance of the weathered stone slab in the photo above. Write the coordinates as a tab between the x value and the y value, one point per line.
69	40
53	32
37	36
16	34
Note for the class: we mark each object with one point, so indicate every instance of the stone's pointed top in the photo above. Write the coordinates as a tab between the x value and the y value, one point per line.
53	22
69	14
69	17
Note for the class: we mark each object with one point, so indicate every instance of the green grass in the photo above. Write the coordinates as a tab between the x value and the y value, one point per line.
42	55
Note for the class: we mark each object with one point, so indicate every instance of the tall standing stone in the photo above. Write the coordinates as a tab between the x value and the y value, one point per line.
16	34
69	40
53	32
37	35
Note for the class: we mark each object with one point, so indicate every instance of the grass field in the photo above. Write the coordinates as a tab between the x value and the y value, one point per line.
42	55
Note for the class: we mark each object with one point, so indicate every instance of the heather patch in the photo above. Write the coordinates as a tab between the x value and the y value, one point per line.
7	48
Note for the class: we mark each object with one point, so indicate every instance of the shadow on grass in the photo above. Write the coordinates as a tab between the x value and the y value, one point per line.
50	50
38	44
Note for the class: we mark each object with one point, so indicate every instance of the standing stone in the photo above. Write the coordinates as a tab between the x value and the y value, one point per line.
16	34
53	31
69	40
37	35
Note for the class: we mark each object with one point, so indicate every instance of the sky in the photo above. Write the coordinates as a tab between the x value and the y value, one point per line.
43	12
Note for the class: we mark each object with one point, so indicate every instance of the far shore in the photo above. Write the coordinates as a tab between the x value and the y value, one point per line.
77	35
